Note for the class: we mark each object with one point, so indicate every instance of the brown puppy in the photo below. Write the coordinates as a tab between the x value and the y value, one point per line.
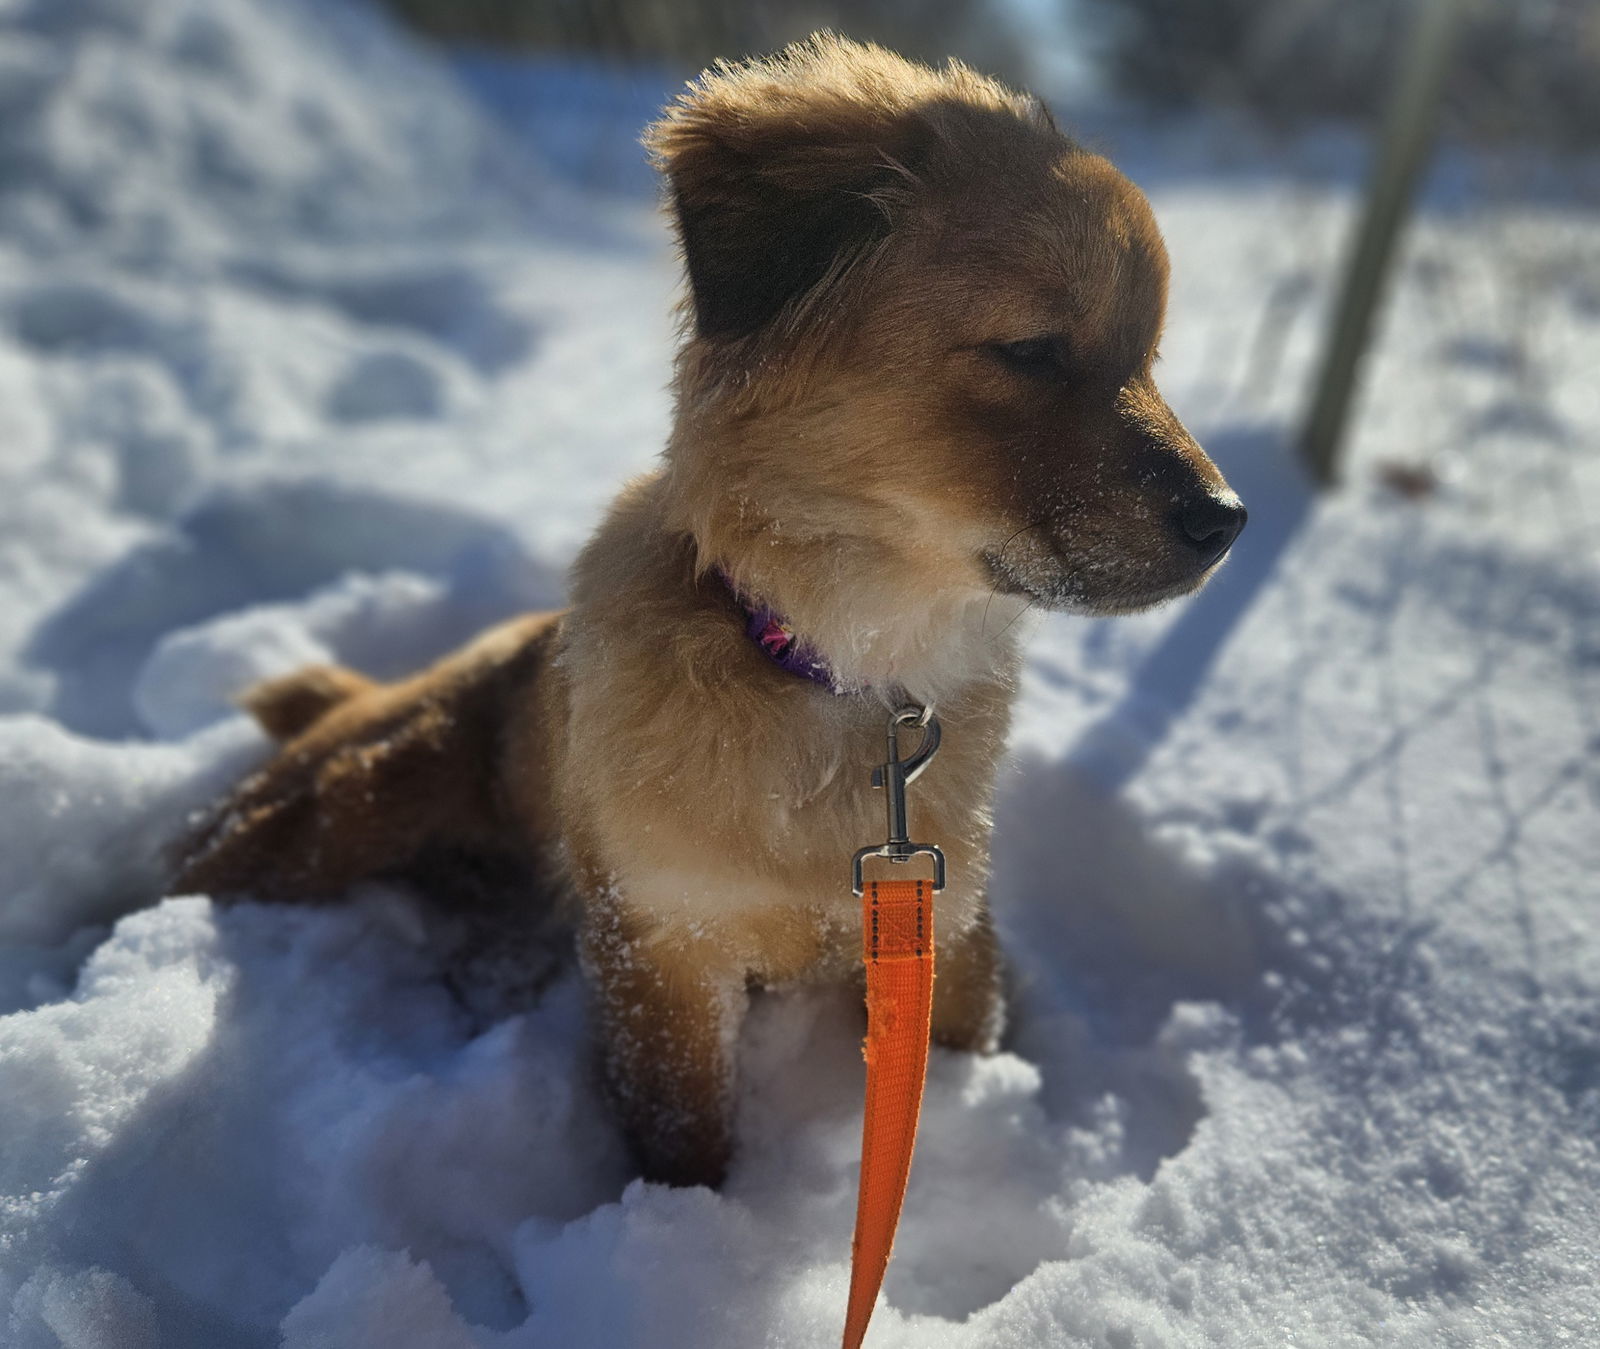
914	399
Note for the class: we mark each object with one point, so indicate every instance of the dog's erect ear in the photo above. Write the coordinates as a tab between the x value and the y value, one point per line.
783	170
786	169
753	240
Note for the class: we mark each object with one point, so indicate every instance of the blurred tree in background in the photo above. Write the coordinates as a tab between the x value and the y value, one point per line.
1523	69
690	34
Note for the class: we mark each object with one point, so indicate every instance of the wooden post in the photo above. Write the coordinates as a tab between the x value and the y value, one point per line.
1402	155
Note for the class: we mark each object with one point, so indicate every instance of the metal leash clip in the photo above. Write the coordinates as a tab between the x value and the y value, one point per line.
893	777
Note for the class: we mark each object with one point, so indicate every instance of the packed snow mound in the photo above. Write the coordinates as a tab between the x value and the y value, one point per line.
354	299
1296	879
159	130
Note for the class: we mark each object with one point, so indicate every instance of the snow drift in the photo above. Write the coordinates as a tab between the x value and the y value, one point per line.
300	359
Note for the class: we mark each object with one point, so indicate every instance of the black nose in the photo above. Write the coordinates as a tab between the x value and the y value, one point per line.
1210	524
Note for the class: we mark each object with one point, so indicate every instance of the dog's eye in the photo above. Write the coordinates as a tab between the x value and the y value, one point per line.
1040	357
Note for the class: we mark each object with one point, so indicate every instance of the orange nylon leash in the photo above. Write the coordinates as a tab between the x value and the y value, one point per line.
897	948
897	937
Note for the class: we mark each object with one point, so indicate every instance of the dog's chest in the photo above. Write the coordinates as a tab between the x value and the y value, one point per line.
758	861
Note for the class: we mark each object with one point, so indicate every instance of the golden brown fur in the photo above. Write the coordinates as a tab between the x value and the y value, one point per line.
915	397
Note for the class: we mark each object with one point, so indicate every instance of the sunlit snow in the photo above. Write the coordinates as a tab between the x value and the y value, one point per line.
303	356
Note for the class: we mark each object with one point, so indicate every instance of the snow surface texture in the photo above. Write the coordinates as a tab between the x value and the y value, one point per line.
299	358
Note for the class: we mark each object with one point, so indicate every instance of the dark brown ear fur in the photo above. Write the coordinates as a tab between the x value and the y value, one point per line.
787	169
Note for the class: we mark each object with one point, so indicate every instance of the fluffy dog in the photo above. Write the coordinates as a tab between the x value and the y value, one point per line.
914	397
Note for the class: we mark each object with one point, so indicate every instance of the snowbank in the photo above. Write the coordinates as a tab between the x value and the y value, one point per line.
299	359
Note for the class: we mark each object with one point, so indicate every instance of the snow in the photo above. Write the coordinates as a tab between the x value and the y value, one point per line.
303	358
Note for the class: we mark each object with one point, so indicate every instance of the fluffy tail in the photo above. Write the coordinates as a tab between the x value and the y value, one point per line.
288	705
372	778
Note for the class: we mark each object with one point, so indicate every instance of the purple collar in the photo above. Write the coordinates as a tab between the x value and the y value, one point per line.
778	642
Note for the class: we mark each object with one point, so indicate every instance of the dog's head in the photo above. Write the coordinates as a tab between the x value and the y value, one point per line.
918	308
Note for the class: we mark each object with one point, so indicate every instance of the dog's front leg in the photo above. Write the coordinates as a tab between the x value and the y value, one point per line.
969	995
669	1012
